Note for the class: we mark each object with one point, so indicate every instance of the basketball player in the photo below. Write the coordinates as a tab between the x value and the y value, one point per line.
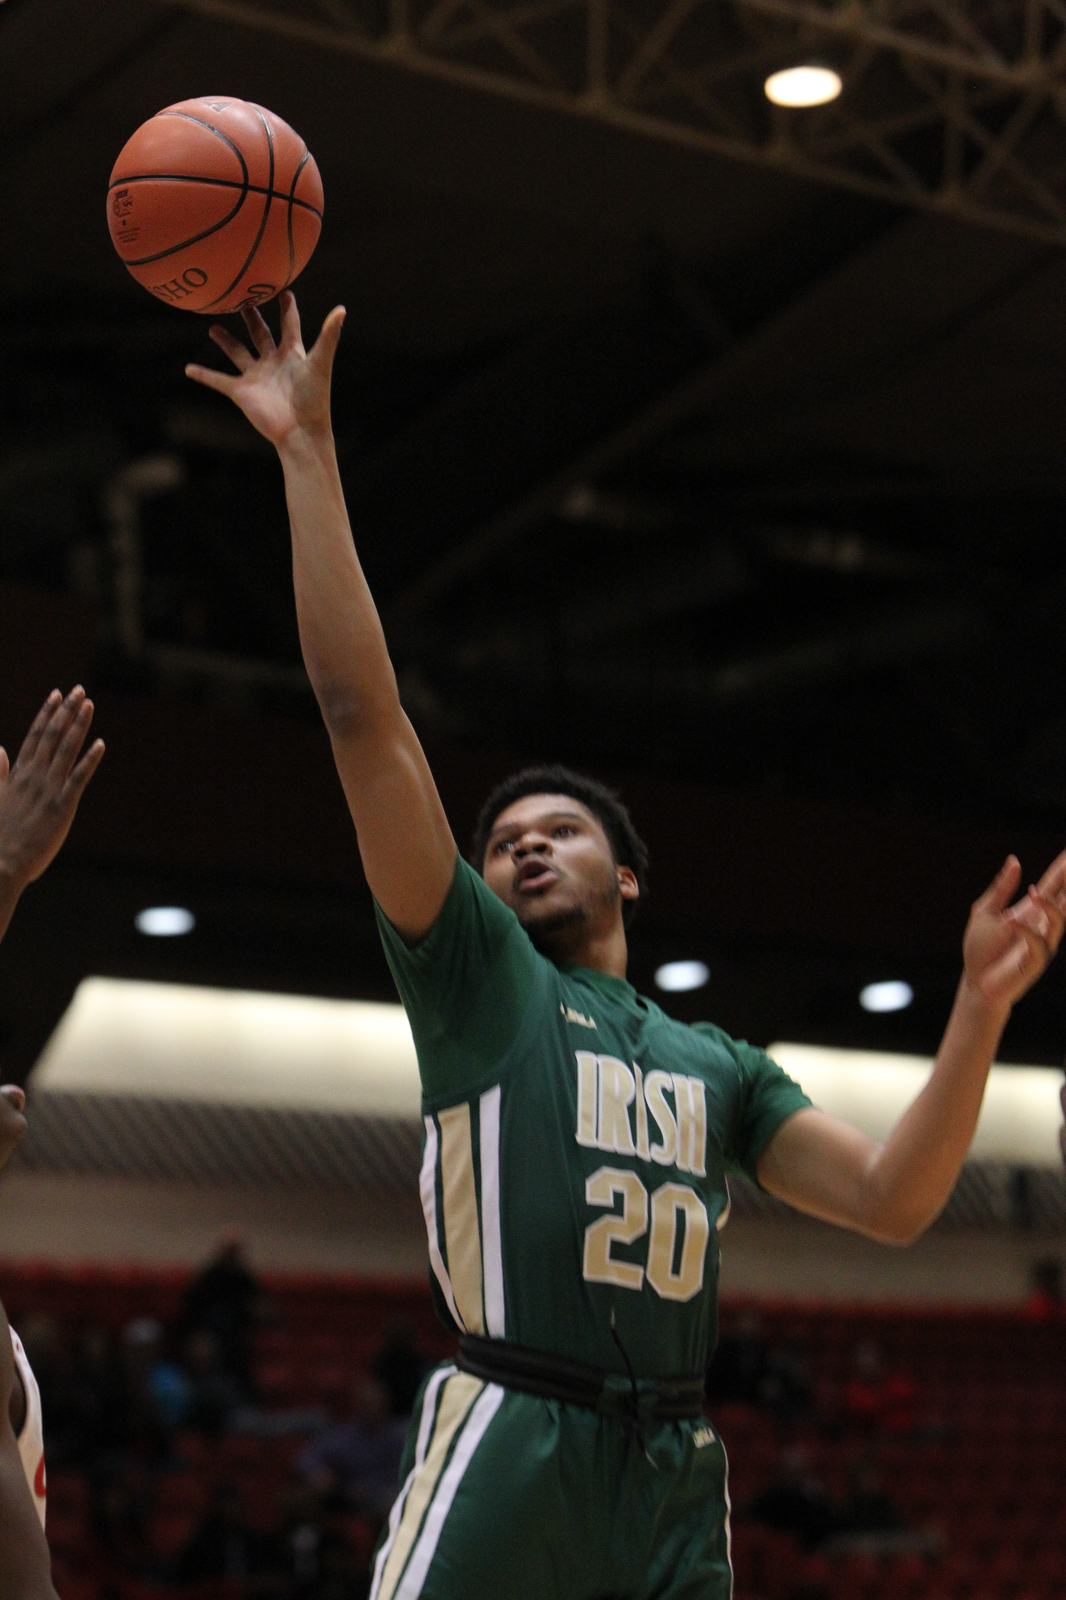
576	1139
38	799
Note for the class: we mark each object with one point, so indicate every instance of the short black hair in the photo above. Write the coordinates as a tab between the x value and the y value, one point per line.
627	847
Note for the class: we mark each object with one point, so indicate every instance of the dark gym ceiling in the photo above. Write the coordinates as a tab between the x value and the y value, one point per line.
658	463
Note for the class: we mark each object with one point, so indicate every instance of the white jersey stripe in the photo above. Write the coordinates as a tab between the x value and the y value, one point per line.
425	1430
427	1186
728	1523
457	1396
471	1436
492	1240
31	1439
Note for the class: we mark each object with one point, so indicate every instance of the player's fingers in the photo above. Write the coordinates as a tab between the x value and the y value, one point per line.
38	725
998	894
1052	885
1054	917
291	332
325	346
231	346
12	1092
258	331
222	381
57	725
79	778
5	766
66	751
1030	913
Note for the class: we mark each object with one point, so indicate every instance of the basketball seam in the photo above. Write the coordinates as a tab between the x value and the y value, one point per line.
288	219
266	213
219	183
144	261
201	123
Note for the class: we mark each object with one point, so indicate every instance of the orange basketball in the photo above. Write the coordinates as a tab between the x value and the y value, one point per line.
215	204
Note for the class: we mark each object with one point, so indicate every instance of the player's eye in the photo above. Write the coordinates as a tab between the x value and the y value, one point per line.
502	846
563	830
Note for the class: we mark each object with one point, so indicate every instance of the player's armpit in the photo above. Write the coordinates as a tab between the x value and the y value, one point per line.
25	1565
827	1168
405	842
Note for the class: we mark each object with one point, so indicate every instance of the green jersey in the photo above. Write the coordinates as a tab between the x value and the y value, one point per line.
576	1144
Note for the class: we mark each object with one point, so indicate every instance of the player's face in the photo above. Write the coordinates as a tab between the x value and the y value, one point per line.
549	859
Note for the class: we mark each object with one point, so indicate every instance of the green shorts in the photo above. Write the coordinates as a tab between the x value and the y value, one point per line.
508	1496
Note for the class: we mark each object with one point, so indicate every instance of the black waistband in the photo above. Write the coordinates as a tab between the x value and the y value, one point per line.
558	1378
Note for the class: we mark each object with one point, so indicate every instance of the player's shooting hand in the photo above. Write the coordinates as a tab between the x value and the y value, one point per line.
39	794
12	1121
1007	947
283	388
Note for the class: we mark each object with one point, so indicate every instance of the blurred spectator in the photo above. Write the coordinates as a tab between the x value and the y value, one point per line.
785	1387
215	1394
117	1507
158	1391
796	1502
400	1368
739	1364
746	1370
223	1544
48	1358
1045	1295
358	1461
225	1301
99	1394
313	1555
868	1508
876	1401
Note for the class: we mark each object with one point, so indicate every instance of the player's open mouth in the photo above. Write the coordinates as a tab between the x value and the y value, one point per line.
534	875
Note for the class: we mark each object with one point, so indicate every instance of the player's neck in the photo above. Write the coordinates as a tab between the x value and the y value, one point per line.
600	950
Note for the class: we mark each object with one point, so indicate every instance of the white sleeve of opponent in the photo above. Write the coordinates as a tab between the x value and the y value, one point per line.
31	1439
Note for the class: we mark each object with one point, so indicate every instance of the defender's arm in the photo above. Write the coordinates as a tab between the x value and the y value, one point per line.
893	1191
25	1565
406	844
40	793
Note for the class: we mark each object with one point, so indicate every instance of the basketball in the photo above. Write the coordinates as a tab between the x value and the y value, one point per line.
215	204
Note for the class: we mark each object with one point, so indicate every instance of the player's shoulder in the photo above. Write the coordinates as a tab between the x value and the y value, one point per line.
717	1051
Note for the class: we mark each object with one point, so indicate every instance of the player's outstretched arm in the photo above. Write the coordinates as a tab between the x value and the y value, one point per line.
25	1566
40	793
406	844
895	1190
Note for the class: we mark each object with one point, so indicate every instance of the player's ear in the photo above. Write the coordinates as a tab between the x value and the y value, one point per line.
628	887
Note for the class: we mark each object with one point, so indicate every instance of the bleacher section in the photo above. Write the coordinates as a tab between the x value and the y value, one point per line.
981	1475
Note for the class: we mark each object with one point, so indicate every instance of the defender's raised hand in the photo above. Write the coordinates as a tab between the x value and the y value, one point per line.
283	387
39	794
1007	947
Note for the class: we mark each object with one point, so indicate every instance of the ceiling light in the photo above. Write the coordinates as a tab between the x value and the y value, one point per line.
677	975
892	996
803	86
164	922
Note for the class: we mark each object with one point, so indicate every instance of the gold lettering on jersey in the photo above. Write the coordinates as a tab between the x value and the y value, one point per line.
655	1085
642	1115
618	1089
587	1072
606	1088
701	1437
577	1016
691	1104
